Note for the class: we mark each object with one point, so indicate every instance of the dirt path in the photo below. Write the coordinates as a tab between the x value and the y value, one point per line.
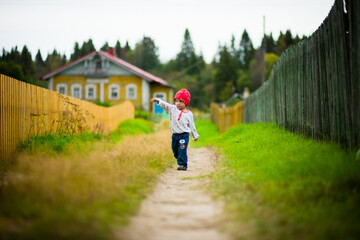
179	208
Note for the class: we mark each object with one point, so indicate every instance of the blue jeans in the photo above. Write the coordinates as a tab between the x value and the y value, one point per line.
179	147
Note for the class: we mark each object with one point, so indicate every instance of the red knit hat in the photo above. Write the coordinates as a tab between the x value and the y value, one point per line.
183	95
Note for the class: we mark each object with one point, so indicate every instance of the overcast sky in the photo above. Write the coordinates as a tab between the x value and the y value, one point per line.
49	24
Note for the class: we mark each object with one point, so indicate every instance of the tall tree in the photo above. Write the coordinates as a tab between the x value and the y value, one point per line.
225	76
235	52
145	54
126	52
105	47
87	47
246	50
64	59
297	39
186	59
149	53
14	56
289	39
39	64
76	54
280	44
284	41
53	61
118	49
270	44
27	62
12	69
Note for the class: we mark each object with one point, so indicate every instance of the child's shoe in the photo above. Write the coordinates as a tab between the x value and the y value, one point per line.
182	168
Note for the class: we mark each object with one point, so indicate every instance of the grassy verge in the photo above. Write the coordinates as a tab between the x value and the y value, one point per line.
131	127
83	194
278	185
208	133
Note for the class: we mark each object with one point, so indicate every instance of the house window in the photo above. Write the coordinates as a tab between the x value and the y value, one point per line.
98	67
131	91
160	95
61	88
91	91
114	91
76	91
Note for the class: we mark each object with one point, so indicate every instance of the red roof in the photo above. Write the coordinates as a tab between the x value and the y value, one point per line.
118	61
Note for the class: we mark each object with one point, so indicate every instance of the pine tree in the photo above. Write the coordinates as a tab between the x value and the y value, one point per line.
63	58
246	51
235	52
39	64
270	44
53	61
27	63
76	53
289	39
187	60
10	64
87	48
126	52
284	41
280	44
297	39
105	47
225	76
149	54
118	49
145	54
12	69
14	56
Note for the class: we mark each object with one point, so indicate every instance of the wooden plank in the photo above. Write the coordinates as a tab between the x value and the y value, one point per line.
2	118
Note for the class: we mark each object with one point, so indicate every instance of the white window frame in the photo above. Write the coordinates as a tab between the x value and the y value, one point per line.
60	85
76	85
117	86
163	93
88	86
128	87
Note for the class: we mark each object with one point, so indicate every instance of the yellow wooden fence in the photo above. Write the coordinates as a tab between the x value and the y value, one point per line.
226	117
26	110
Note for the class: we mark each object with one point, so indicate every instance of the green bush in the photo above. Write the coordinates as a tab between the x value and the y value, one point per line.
142	114
103	104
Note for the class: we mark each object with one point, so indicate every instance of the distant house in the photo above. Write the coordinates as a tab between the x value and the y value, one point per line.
102	76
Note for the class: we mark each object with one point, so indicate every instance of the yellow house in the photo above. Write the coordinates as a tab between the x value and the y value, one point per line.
101	76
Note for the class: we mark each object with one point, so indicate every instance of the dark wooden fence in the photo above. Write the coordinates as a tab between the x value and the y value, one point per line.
314	88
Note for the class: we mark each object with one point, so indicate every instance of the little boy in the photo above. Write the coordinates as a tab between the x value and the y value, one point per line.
181	124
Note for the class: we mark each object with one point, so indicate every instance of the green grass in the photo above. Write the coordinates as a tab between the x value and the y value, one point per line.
64	144
131	127
279	185
55	144
208	133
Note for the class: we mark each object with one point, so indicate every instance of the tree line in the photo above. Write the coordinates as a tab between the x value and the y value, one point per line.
236	66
